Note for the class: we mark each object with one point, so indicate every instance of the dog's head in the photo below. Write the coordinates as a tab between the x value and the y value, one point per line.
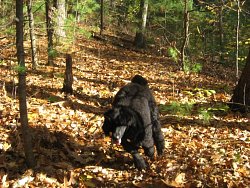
122	123
139	80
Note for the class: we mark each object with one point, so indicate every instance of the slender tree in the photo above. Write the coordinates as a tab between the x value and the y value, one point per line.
102	15
32	34
22	86
221	30
186	30
75	23
50	30
140	40
61	17
237	38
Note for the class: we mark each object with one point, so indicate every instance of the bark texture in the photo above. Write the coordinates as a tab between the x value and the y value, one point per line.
68	77
241	95
26	137
140	40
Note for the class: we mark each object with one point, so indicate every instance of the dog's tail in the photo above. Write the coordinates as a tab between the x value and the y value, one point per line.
139	80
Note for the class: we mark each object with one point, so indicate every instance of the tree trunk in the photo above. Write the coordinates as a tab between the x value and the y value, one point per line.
237	38
61	17
102	15
50	30
27	141
221	31
186	27
32	34
241	95
68	76
75	24
140	40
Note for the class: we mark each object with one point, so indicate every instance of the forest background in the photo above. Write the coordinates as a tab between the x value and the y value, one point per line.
192	53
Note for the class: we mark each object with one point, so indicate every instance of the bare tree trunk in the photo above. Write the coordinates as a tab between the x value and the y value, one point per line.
186	28
68	76
75	23
50	30
221	31
61	17
237	38
32	34
140	40
102	15
27	141
144	15
241	95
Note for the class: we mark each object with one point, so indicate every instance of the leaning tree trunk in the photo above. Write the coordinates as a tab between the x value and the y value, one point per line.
27	141
140	40
32	34
241	95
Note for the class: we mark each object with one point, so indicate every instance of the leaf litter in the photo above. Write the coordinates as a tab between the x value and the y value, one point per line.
69	145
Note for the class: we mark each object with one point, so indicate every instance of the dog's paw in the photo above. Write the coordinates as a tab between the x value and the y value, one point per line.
160	152
160	147
139	161
140	164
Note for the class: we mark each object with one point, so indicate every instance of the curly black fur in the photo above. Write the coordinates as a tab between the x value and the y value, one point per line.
134	120
124	124
139	97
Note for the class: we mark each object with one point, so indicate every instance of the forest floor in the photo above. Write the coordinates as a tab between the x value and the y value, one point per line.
206	147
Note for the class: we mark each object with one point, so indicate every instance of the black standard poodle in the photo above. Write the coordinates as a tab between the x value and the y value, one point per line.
133	121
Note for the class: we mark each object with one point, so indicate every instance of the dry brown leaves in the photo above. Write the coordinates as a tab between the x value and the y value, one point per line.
68	142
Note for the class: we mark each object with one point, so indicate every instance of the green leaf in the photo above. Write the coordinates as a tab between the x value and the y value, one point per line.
20	69
205	115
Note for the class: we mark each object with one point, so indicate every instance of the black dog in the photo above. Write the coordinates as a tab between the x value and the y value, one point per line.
133	121
131	95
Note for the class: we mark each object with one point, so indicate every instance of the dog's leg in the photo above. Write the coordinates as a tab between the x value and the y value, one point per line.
149	151
157	133
133	150
158	138
156	126
148	142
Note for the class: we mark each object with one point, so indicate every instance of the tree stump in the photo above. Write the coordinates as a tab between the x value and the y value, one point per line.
139	40
68	76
